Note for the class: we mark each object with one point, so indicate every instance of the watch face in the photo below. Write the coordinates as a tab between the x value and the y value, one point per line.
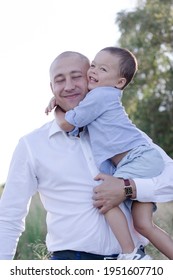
128	191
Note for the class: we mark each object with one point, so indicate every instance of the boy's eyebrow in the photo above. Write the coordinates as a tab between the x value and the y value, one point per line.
103	64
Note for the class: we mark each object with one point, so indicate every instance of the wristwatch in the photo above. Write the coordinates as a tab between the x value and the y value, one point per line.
128	190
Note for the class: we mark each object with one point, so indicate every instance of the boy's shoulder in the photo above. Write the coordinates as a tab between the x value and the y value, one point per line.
105	93
105	90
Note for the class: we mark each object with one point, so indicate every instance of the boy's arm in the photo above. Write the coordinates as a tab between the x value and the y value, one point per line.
60	118
59	115
52	104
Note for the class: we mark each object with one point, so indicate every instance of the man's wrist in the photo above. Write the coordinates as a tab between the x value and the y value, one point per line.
132	183
129	188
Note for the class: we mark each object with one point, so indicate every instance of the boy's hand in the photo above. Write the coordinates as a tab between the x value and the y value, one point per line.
52	104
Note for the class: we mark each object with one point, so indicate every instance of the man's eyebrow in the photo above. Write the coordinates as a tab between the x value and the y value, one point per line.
58	75
76	72
72	72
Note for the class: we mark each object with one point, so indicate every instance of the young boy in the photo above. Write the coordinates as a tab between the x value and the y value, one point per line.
119	148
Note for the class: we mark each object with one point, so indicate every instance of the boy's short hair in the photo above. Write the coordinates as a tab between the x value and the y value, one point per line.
127	62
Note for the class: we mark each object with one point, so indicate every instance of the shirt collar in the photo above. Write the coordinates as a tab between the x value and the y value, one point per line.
54	128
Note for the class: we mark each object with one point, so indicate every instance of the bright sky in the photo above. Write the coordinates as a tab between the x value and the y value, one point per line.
33	33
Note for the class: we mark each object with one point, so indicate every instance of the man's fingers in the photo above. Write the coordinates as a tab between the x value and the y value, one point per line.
103	209
98	203
100	176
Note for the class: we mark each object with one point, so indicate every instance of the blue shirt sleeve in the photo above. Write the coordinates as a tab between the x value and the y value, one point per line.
91	107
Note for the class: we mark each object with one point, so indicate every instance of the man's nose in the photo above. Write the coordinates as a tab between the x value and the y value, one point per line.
69	85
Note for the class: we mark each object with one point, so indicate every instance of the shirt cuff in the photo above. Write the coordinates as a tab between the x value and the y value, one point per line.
144	189
74	132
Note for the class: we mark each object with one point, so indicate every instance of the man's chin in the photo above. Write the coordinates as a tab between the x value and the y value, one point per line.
71	105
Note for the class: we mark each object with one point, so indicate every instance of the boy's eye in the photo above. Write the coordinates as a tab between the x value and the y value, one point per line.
103	69
92	66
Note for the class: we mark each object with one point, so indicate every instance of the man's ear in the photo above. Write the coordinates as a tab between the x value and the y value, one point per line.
121	83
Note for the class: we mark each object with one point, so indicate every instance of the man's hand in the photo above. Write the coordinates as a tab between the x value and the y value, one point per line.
109	193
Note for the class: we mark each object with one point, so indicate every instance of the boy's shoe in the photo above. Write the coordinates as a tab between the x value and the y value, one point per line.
137	254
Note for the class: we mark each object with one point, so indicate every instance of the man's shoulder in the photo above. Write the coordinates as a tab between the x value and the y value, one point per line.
38	132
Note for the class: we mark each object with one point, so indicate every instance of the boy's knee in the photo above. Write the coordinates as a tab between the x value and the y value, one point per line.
142	227
139	226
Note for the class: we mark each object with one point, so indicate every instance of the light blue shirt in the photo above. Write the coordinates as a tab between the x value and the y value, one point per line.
111	131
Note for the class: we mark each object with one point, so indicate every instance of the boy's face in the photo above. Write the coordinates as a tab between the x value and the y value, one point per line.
104	71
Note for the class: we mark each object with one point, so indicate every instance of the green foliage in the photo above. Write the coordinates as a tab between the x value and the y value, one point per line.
31	245
164	219
1	187
148	33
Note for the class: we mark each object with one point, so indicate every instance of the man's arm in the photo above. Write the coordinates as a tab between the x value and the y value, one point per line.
110	192
20	186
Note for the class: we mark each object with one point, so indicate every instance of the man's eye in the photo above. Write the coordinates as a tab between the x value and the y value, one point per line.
59	81
77	77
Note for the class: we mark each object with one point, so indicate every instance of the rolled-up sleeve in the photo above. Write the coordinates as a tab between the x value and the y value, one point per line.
157	189
90	108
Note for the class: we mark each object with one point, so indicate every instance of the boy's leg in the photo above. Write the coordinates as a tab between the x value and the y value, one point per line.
119	226
142	217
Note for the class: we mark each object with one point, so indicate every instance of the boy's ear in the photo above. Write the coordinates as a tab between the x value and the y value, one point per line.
121	83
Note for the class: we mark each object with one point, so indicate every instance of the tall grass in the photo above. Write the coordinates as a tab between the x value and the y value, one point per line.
164	219
32	242
31	245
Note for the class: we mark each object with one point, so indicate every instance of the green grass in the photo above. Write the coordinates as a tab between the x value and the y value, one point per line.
32	242
164	219
31	245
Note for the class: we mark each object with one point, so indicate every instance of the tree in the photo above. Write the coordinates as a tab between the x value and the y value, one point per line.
148	33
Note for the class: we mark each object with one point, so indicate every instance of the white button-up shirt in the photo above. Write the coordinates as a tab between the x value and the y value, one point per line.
61	168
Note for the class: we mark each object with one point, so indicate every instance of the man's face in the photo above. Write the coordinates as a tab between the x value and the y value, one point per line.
69	81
